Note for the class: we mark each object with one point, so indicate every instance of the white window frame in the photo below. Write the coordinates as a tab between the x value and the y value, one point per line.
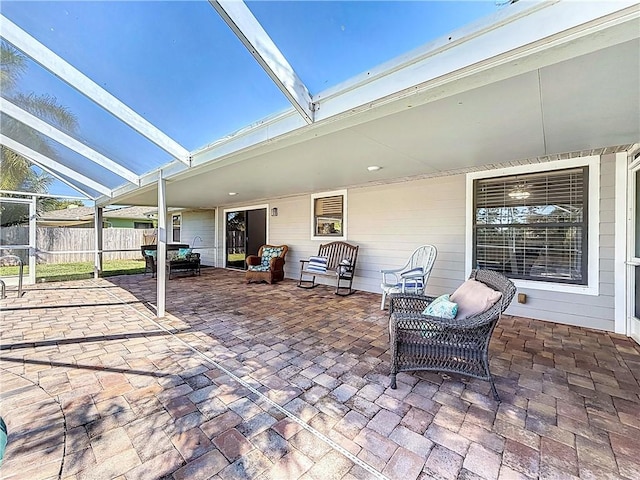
593	270
172	227
329	238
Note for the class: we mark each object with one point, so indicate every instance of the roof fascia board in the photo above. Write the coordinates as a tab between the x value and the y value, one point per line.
221	153
366	96
43	127
454	39
507	41
239	18
59	67
149	179
43	161
258	135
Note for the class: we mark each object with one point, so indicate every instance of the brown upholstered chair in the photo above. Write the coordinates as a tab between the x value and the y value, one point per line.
268	265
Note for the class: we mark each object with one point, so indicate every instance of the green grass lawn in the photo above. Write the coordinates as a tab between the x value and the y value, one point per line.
57	272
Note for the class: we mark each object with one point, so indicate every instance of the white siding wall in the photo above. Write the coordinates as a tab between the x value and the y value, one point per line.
389	221
200	223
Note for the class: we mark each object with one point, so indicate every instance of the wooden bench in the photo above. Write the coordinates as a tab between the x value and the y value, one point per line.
337	255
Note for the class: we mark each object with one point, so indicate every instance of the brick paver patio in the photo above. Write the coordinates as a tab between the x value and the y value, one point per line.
276	382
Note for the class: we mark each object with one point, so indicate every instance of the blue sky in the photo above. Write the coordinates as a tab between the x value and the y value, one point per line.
177	63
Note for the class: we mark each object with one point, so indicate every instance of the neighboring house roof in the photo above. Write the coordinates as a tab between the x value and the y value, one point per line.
135	213
79	215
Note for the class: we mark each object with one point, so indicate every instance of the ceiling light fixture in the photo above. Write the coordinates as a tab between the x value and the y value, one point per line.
519	192
373	168
233	193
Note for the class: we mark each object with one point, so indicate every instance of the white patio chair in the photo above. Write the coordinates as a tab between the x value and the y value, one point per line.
412	276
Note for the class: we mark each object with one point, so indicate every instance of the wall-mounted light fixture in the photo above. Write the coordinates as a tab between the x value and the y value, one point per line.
274	212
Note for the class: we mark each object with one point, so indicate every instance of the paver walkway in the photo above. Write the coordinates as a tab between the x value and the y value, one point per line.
275	382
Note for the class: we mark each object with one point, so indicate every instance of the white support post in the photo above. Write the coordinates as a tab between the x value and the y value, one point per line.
32	240
161	258
97	269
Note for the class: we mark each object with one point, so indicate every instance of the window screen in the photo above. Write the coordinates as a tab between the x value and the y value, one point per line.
533	226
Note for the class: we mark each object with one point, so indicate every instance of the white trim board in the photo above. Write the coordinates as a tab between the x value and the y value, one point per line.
620	268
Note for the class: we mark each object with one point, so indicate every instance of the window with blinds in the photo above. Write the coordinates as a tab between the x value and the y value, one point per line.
533	226
328	214
176	225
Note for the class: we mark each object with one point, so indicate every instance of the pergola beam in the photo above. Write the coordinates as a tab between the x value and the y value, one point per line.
59	67
43	162
247	28
43	127
55	174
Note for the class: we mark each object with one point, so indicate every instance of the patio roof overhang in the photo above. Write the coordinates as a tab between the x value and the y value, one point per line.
533	80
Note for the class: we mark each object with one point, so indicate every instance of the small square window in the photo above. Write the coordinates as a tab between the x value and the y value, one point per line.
329	215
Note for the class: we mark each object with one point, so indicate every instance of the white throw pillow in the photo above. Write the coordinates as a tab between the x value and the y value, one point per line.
474	297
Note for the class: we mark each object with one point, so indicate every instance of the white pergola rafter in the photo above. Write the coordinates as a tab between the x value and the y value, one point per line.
247	28
59	67
55	174
43	162
43	127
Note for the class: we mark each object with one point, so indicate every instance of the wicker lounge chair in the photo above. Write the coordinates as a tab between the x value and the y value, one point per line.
460	345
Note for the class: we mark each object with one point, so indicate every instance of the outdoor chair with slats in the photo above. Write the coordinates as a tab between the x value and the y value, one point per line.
412	277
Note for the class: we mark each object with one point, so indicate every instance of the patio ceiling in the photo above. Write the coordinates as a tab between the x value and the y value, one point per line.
532	80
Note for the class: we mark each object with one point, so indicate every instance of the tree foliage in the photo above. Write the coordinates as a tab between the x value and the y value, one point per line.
16	171
50	204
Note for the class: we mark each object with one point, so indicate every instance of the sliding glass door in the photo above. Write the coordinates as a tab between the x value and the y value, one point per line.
246	232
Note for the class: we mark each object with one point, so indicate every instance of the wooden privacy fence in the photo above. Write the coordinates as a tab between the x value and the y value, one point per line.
69	240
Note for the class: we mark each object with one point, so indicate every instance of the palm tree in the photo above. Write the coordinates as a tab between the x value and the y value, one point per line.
12	65
16	171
